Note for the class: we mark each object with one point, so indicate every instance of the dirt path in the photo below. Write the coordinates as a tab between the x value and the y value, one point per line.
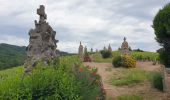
106	71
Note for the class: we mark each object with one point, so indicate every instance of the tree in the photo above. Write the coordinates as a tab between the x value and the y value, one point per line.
161	25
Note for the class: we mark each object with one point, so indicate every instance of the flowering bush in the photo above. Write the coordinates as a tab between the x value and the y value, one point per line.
89	81
128	62
124	61
87	57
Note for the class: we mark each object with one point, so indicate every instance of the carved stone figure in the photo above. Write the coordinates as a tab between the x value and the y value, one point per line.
125	47
85	49
109	48
80	51
104	48
42	42
91	50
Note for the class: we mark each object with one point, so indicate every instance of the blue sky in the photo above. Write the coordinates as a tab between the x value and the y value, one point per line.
94	22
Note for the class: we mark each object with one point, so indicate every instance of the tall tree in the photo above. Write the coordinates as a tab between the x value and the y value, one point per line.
161	25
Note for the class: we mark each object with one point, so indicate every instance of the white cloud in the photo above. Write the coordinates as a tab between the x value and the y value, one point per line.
13	40
95	22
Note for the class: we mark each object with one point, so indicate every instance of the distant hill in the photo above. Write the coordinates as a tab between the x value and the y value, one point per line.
12	55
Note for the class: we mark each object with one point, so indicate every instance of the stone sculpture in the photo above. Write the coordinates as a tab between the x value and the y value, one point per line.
42	42
104	48
109	48
80	51
91	50
125	47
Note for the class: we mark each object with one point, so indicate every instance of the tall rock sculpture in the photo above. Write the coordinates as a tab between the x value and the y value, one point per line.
91	50
42	42
80	51
85	49
109	48
125	47
104	48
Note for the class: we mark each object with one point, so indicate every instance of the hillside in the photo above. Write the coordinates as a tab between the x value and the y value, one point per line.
11	55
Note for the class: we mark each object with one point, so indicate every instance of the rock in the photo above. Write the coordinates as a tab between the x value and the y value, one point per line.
80	51
42	42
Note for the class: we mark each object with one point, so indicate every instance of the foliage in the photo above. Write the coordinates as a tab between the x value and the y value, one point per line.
117	61
129	97
56	81
150	56
141	56
91	85
129	76
128	62
161	25
97	57
138	50
106	53
87	57
157	81
124	61
11	56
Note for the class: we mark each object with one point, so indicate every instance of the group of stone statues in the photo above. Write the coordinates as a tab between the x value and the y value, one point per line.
42	43
124	49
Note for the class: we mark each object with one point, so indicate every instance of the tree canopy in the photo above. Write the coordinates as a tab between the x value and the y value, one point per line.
161	25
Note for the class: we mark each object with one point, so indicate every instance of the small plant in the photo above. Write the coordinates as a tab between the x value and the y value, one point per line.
157	81
87	57
106	54
117	61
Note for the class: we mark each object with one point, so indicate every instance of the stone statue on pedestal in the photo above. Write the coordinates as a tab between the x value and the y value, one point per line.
125	48
80	51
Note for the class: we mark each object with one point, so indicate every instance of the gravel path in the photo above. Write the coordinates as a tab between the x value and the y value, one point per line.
106	70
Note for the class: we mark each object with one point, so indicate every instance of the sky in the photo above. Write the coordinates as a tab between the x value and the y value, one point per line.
96	23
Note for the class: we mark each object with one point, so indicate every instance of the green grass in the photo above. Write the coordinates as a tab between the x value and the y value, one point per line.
129	97
97	57
144	55
129	76
133	76
61	79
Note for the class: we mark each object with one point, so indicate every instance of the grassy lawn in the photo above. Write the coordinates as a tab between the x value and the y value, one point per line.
129	76
97	57
135	75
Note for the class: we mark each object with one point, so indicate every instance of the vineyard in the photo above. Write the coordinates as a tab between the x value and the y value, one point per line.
140	56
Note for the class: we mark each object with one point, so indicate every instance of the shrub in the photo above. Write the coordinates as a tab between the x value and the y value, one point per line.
106	54
128	62
56	81
90	82
161	27
117	61
157	81
124	61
